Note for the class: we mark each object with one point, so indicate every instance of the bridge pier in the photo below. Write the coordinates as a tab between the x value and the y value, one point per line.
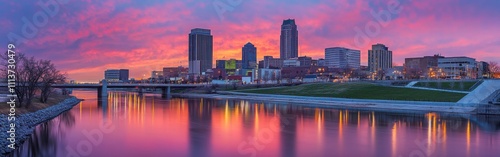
165	92
102	92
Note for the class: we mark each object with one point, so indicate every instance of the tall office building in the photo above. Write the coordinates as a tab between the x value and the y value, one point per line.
200	51
249	56
379	58
289	40
339	57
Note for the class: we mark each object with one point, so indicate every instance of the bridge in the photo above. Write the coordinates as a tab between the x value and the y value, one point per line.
102	89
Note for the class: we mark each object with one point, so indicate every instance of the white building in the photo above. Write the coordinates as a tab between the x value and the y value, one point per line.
339	57
458	67
269	75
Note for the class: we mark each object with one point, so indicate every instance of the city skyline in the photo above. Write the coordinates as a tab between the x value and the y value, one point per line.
105	35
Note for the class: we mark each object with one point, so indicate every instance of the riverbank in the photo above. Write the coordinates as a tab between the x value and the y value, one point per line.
26	123
342	103
361	90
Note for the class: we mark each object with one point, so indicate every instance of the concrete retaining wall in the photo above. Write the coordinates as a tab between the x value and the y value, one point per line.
481	93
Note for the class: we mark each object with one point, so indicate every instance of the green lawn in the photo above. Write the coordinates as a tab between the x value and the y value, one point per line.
454	85
361	91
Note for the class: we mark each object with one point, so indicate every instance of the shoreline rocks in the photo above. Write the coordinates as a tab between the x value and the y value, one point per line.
26	123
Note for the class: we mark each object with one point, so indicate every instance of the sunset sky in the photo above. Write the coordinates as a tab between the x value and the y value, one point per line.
84	38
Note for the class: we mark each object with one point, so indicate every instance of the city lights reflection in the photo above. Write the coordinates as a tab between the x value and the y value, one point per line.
147	125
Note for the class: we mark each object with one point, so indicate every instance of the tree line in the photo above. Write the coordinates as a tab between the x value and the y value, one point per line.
33	76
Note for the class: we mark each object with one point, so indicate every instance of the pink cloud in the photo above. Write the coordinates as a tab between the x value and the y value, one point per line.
149	38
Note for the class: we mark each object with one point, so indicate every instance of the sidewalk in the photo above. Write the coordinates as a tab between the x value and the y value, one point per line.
411	85
434	89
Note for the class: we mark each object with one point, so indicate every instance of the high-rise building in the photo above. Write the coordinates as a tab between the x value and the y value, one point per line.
200	51
339	57
379	58
289	40
116	75
249	56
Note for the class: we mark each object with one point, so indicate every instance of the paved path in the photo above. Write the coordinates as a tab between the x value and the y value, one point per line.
412	85
442	90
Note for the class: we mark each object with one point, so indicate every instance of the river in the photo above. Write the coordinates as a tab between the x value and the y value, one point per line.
130	125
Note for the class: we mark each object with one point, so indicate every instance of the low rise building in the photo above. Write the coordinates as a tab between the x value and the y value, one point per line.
420	67
267	75
156	74
292	62
483	70
270	62
116	75
458	67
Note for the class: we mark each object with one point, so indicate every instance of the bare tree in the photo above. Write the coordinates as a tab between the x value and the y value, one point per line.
50	76
265	77
494	69
380	74
28	74
34	69
273	77
413	73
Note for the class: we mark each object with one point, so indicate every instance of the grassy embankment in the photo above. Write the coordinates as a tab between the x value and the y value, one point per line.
35	104
361	91
452	85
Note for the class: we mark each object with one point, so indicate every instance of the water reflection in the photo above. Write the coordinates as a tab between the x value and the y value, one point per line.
45	140
147	125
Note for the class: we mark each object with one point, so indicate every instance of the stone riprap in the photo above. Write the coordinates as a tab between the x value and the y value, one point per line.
26	123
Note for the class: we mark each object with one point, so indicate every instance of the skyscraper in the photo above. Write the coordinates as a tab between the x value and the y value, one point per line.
200	51
379	58
339	57
289	40
249	56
